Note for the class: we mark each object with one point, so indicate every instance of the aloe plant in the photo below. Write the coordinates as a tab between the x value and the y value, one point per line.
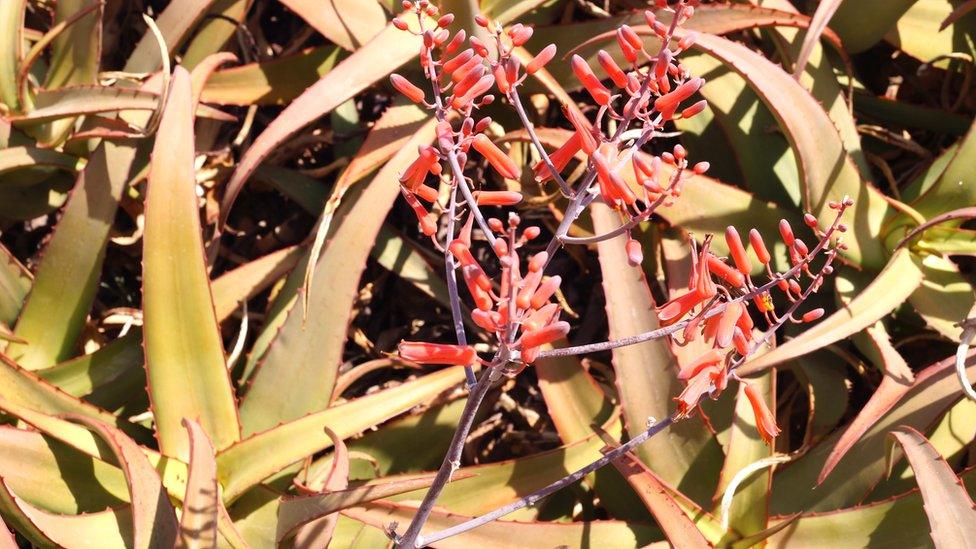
219	219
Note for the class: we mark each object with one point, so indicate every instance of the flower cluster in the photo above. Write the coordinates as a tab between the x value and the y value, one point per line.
718	298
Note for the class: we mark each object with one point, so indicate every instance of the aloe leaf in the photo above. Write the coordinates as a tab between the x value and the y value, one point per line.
55	312
17	158
889	290
198	524
53	476
105	377
184	352
347	23
111	528
153	517
826	170
248	280
174	23
944	298
956	184
502	534
253	459
15	284
295	512
951	513
76	100
7	540
747	514
646	373
11	50
797	488
679	528
274	82
308	348
218	25
862	23
918	31
75	57
381	55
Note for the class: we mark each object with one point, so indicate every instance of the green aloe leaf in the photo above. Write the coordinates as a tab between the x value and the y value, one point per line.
248	280
952	516
253	459
501	534
184	352
918	31
274	82
381	55
175	23
889	290
198	523
218	25
308	347
107	377
13	159
646	372
11	50
15	284
76	100
863	23
68	274
153	517
945	296
347	23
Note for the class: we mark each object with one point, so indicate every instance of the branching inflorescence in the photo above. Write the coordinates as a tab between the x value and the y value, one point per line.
637	101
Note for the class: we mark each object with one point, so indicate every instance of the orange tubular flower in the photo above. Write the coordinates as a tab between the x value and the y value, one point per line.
693	392
759	247
405	87
502	163
765	422
498	198
560	159
668	103
612	69
435	353
587	140
590	81
548	334
675	309
541	59
540	318
545	291
711	357
723	271
737	250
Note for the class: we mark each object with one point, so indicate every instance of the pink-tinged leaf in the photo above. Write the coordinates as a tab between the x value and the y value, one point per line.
646	373
348	23
15	284
825	10
307	349
297	511
679	529
826	170
958	13
748	513
11	50
888	393
382	55
248	280
174	23
505	534
6	537
77	100
184	352
575	402
889	289
67	277
111	528
951	513
153	517
22	387
318	532
796	489
198	524
273	82
251	460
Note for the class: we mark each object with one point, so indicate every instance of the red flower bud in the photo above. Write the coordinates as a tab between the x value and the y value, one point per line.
737	250
433	353
726	273
635	255
611	68
631	36
520	36
786	232
589	80
541	59
548	334
559	158
815	314
694	109
587	141
458	60
502	163
498	198
759	247
405	87
711	358
765	422
545	291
